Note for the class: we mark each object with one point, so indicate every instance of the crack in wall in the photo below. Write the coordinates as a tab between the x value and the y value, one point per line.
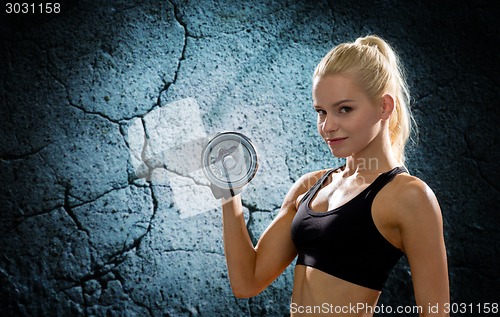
67	206
122	281
11	156
249	305
249	223
152	165
74	105
120	256
145	146
252	208
71	214
149	309
283	127
195	181
18	220
287	159
8	113
438	88
193	250
101	114
476	271
100	270
477	163
98	113
167	85
68	95
201	37
155	210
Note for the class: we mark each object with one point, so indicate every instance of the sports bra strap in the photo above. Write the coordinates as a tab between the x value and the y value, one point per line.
373	188
382	180
314	189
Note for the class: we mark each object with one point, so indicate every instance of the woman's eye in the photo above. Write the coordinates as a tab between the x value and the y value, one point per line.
321	112
345	109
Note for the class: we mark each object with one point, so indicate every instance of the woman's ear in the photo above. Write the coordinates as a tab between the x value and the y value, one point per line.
387	106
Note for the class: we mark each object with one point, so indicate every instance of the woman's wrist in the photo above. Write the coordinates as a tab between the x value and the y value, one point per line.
224	193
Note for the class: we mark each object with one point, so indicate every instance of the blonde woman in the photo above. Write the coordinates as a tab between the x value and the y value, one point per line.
349	226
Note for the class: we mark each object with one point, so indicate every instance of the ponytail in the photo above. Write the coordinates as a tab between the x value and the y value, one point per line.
379	71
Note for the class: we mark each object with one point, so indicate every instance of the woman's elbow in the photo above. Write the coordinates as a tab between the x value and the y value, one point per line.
239	293
244	291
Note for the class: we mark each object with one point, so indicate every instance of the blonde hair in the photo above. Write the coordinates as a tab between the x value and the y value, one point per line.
378	70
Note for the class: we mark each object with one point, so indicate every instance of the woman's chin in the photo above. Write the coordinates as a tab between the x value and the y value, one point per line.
339	154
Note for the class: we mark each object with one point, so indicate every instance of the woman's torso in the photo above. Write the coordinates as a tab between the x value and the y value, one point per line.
318	293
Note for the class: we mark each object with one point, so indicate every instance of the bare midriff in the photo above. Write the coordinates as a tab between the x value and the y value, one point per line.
316	293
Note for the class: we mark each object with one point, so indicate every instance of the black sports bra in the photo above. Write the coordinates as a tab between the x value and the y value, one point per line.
344	242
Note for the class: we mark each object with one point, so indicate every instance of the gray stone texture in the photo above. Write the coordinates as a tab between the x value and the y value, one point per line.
82	235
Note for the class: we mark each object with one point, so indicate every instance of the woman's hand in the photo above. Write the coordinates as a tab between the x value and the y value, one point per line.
226	193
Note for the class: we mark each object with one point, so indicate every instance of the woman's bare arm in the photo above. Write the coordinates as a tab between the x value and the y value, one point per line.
421	228
251	269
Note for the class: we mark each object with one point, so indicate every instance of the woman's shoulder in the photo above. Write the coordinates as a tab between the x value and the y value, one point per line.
305	182
415	210
410	188
412	195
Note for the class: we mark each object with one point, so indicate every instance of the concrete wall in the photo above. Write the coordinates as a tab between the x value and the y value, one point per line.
82	235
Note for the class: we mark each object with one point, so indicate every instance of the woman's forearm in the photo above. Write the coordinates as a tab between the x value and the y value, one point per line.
239	250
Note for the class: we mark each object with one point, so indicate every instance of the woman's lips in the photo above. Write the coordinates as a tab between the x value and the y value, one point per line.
335	141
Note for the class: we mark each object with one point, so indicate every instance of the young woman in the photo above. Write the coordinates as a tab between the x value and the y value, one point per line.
349	226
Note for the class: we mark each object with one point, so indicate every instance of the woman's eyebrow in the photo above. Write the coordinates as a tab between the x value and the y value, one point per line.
342	101
336	103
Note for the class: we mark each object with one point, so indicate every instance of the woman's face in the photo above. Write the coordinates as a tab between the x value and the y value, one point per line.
347	120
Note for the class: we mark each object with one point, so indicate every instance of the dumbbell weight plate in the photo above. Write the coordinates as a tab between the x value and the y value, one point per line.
229	160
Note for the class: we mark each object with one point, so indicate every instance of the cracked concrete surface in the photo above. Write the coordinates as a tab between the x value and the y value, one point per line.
82	235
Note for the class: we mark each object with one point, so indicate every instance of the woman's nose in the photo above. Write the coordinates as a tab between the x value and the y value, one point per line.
329	125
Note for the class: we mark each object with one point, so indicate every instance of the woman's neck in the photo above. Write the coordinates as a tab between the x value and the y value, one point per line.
378	157
370	165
